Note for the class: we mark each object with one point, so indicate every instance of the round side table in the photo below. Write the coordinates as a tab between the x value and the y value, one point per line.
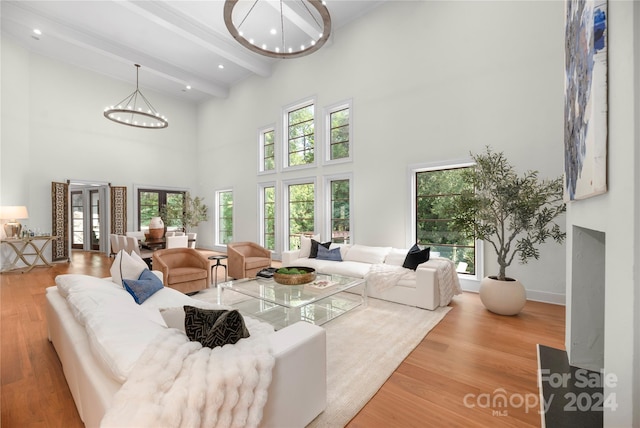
217	265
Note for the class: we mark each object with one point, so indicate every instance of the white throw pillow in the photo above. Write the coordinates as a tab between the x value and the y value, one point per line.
305	245
396	257
174	317
344	248
366	254
131	266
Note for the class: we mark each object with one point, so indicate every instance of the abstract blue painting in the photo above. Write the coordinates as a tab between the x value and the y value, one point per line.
585	103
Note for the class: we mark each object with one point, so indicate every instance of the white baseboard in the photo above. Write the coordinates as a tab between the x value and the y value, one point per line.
533	295
546	297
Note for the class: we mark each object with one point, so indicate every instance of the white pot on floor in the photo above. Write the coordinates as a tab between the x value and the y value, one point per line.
503	297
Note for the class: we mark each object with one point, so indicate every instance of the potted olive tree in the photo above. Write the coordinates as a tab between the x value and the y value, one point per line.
514	214
194	212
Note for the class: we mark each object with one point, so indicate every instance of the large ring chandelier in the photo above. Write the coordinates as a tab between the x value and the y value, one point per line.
278	28
136	110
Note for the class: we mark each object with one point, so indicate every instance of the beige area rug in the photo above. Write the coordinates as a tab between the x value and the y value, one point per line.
364	347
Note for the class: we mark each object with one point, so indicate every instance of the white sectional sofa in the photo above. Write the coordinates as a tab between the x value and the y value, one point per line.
120	327
431	285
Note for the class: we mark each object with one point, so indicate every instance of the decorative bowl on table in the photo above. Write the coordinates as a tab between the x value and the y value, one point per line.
294	275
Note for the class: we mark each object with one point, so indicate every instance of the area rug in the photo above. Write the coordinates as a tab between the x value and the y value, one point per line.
364	347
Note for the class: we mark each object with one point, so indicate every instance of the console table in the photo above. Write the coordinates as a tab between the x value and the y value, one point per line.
21	245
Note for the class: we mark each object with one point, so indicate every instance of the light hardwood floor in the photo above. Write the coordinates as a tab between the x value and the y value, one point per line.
450	379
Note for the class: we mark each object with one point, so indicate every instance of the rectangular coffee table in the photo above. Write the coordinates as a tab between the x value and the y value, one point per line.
281	305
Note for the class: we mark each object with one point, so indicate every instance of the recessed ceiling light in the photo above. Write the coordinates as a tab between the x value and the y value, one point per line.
220	66
188	86
37	32
273	31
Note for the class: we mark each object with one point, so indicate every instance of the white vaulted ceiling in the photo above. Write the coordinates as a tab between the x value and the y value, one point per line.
177	43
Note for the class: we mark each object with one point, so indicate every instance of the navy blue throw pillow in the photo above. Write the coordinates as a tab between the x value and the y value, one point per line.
333	254
143	287
314	248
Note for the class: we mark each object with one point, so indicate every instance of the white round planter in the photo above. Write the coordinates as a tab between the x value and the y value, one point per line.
503	297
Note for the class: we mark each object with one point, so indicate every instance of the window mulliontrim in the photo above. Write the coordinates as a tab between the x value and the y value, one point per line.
286	140
328	112
413	170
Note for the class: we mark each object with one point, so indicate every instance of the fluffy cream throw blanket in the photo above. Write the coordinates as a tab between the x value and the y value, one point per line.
448	281
383	276
178	383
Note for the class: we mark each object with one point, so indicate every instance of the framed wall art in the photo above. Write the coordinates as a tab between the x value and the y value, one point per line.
585	102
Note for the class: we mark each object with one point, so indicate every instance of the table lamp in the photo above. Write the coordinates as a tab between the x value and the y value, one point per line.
12	227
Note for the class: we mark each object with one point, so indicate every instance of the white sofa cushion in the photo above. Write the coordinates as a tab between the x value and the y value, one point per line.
119	334
367	254
354	269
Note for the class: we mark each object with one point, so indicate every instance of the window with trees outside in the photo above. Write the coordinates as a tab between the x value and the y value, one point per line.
267	149
301	212
300	125
340	223
167	204
435	190
268	198
339	132
224	217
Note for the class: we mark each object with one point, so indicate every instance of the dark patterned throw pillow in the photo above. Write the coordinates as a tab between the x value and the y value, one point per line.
314	248
214	327
415	256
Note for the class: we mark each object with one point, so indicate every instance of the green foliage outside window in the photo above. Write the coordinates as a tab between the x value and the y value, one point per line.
340	211
301	136
225	217
268	146
269	218
301	212
436	193
167	205
339	141
149	206
173	211
195	211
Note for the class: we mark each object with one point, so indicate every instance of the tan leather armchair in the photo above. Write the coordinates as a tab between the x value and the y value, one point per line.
184	269
246	259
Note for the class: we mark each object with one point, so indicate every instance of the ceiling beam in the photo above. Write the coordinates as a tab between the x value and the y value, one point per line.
163	14
114	51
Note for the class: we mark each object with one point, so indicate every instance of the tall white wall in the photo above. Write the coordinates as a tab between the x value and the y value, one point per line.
53	129
430	81
616	214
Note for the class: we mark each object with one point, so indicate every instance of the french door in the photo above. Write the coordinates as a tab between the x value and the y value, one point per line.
87	211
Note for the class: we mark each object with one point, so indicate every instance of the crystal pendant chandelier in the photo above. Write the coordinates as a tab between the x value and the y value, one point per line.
278	28
136	110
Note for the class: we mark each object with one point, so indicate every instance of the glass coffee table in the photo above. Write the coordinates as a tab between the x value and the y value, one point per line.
281	305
